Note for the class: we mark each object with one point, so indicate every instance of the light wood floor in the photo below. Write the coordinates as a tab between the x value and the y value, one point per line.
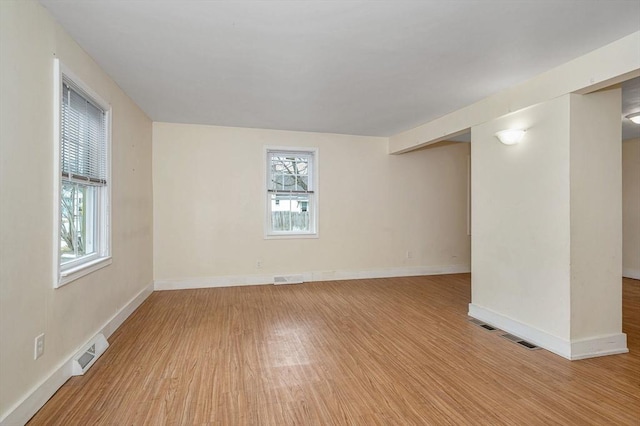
368	352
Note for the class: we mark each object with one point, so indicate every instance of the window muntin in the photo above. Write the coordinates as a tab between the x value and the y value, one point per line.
83	178
291	195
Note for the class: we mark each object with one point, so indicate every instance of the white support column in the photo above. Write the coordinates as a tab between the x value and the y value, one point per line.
546	220
596	224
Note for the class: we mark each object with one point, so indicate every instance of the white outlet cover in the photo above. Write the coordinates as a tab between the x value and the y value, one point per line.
38	349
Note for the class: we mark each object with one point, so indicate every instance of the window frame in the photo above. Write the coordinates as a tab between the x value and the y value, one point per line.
72	270
314	196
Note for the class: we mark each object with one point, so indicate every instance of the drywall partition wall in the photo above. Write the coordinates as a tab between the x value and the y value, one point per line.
29	305
521	219
631	208
596	214
373	208
546	224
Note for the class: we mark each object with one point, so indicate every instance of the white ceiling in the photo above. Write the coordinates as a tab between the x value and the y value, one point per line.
352	67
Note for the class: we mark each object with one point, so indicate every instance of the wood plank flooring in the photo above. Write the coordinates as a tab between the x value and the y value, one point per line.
395	351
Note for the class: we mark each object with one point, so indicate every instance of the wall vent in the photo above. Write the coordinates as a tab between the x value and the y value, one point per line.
89	354
288	279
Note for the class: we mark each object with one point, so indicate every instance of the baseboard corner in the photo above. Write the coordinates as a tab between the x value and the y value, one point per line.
612	344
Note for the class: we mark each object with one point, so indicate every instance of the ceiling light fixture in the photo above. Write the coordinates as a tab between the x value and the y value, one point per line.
510	136
635	117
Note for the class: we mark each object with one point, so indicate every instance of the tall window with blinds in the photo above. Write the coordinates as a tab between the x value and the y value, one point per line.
84	178
291	193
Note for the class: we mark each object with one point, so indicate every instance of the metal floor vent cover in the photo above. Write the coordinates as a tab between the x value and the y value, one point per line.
511	337
482	324
528	345
515	339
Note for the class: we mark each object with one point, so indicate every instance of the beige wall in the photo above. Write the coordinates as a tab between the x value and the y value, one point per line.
520	218
631	208
29	305
373	207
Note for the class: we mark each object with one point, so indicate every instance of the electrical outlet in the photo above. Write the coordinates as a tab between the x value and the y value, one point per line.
409	254
38	348
259	264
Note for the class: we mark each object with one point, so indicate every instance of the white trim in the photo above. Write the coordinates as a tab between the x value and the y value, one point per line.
631	273
285	236
65	274
210	282
469	195
22	411
531	334
37	397
57	99
95	97
578	349
125	312
83	269
263	279
612	344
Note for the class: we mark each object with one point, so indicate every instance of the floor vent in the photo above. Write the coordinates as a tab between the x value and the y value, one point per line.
482	324
288	279
528	345
521	342
511	337
89	354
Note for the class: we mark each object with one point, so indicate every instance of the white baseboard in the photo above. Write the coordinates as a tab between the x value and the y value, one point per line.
410	271
209	282
125	312
242	280
37	397
571	350
599	346
631	273
531	334
21	412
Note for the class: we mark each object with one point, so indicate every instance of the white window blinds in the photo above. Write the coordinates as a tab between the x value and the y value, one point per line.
83	137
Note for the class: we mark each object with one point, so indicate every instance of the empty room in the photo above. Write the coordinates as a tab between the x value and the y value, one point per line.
319	212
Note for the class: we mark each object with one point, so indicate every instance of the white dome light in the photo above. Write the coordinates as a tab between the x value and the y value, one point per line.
510	136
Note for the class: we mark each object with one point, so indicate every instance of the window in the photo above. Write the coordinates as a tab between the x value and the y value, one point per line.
292	199
82	174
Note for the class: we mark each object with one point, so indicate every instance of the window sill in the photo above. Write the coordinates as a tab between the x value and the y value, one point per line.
290	236
80	271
